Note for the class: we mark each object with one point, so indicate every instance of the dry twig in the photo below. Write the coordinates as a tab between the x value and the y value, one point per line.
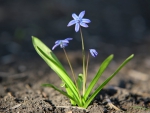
112	105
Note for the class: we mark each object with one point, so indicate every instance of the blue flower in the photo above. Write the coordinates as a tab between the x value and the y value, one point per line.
62	43
93	52
79	21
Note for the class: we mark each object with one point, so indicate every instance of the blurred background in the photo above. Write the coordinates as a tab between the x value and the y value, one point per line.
114	24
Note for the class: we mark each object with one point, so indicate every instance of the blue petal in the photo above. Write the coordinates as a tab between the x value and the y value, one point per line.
68	39
86	20
81	14
71	23
58	42
65	41
74	16
55	46
77	27
93	52
84	24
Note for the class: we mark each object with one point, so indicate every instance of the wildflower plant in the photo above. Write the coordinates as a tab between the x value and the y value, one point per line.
76	90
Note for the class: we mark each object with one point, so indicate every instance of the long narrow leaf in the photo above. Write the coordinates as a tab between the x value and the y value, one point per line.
48	57
102	68
41	45
60	73
69	92
62	92
106	81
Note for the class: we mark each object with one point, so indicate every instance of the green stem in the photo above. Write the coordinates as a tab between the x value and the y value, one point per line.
70	67
87	64
83	58
72	72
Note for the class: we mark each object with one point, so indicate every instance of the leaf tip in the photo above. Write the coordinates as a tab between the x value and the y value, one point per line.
112	55
131	56
32	37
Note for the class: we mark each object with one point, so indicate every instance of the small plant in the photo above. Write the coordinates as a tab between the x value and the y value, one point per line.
76	90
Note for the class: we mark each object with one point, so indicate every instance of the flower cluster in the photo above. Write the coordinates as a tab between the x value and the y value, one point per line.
78	21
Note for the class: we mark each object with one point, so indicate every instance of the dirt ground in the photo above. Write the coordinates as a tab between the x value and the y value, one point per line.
128	91
117	22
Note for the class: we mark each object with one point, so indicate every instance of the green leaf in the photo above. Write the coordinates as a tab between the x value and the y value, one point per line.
106	81
70	93
38	44
62	92
80	81
102	68
55	65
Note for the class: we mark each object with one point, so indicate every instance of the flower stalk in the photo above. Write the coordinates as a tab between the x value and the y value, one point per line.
83	61
71	68
87	64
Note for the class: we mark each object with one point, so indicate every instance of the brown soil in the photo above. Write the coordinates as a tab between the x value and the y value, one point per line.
129	91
